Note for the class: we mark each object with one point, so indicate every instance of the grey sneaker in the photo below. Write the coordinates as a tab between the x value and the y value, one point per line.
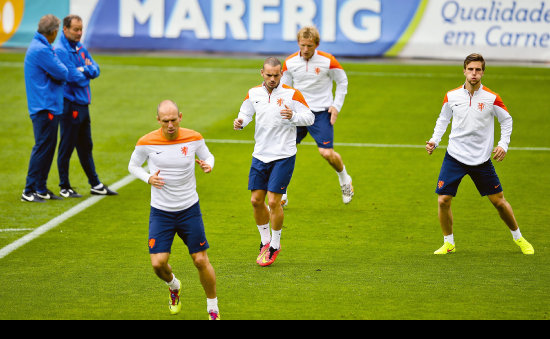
31	197
69	193
103	191
48	196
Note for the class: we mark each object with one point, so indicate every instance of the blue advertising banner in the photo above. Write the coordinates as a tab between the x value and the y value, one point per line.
347	27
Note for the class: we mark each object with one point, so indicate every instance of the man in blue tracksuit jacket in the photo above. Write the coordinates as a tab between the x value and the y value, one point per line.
45	75
75	120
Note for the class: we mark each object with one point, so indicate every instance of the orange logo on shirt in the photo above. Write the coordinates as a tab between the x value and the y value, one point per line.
280	102
151	243
317	70
440	183
184	150
481	106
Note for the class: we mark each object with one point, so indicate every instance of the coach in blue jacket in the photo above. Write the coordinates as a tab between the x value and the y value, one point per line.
45	75
75	121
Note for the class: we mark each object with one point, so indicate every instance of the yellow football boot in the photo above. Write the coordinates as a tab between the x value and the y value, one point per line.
447	248
175	304
525	246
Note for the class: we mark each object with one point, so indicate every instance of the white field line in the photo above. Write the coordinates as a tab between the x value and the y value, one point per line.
367	145
227	70
128	179
61	218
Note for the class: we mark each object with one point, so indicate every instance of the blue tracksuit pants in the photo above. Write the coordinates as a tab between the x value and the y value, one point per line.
76	133
45	126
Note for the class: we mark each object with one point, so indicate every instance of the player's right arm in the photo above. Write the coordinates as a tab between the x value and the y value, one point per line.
245	114
135	168
440	126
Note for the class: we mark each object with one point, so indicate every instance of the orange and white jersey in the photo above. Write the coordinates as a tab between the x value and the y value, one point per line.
275	137
176	161
473	118
315	77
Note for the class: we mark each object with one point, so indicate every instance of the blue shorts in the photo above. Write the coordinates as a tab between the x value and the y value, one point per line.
322	131
273	176
452	171
187	224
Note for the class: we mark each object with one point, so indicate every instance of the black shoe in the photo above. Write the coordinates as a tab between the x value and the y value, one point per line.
31	197
69	193
103	191
48	196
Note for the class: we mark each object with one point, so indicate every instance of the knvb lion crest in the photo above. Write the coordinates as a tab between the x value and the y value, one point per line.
481	106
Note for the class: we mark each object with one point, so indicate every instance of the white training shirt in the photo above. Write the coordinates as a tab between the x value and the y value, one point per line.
275	137
176	162
473	118
315	77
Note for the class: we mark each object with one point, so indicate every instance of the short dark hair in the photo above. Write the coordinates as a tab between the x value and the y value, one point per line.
273	62
67	21
474	57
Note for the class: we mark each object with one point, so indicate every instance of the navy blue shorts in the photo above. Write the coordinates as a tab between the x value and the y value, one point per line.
452	171
273	176
187	224
322	131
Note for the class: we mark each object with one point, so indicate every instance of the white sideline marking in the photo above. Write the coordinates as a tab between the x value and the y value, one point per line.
184	69
61	218
16	229
366	145
125	181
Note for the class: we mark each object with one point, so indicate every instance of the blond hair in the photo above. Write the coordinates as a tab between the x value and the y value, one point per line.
309	33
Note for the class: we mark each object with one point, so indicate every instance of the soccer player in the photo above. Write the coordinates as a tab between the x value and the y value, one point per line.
313	73
279	109
473	108
75	120
45	75
170	153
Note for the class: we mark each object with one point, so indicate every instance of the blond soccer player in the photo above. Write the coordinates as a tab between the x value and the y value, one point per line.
313	73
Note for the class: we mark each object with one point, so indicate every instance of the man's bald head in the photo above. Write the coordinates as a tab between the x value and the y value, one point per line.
167	105
169	117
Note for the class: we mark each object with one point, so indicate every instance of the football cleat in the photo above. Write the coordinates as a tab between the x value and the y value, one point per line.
269	256
48	196
69	193
175	304
213	315
284	200
263	249
31	197
525	246
347	192
103	191
447	248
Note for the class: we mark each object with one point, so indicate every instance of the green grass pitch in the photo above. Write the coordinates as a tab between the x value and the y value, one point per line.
371	259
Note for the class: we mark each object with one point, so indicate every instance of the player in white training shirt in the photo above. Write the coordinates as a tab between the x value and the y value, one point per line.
313	73
472	109
170	155
279	109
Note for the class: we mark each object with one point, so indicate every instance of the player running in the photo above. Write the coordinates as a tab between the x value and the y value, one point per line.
473	108
279	109
313	73
170	153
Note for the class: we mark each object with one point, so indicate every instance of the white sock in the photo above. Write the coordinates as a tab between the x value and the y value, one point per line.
450	239
343	177
516	234
264	233
174	284
212	305
276	239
